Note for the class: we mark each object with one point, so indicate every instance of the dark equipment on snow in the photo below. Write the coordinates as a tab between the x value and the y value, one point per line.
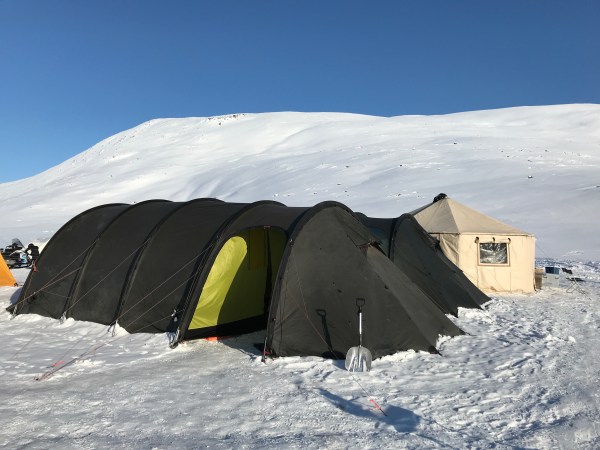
16	256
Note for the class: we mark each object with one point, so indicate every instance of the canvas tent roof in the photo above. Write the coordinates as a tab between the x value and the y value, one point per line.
446	215
207	267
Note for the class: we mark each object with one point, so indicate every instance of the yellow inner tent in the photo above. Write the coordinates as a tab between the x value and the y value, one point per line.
237	282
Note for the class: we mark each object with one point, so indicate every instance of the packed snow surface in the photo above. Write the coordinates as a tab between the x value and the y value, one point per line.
525	375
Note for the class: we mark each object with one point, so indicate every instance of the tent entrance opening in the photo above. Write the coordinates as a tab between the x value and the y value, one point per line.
237	292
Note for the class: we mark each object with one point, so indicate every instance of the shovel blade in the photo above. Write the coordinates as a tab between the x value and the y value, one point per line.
358	359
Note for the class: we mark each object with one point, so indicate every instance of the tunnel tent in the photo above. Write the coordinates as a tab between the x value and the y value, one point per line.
295	272
495	256
419	255
6	276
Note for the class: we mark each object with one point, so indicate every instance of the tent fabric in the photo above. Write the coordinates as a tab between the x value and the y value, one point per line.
220	281
465	234
6	276
165	271
419	255
314	310
209	268
240	271
451	217
47	290
109	261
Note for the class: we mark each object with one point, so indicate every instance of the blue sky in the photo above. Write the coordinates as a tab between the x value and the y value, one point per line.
74	72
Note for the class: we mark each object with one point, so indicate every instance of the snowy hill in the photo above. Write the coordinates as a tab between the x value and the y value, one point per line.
537	168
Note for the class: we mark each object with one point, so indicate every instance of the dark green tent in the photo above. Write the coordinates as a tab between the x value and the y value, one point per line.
210	268
418	254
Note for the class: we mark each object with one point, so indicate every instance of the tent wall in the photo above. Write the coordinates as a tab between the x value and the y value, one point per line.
419	255
46	291
165	271
516	276
313	311
100	283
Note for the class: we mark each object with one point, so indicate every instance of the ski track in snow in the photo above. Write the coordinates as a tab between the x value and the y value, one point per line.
524	375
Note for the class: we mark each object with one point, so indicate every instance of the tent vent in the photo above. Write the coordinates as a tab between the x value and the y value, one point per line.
439	197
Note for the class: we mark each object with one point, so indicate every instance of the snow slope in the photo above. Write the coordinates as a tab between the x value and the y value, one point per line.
525	375
381	166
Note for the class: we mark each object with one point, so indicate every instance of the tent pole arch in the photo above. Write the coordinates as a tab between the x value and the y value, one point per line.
46	290
204	264
107	264
123	309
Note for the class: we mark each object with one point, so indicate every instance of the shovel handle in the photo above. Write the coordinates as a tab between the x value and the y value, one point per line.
360	302
360	324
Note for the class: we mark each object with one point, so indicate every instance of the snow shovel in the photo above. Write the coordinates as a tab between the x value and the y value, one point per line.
358	359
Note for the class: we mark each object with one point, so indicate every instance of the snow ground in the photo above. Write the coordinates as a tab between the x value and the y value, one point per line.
525	375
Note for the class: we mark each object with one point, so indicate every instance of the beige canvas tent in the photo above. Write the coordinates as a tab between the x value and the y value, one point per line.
493	255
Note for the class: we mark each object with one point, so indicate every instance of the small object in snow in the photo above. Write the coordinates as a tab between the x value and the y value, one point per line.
530	176
358	359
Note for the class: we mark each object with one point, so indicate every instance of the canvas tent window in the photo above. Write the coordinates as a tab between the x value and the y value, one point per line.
494	253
